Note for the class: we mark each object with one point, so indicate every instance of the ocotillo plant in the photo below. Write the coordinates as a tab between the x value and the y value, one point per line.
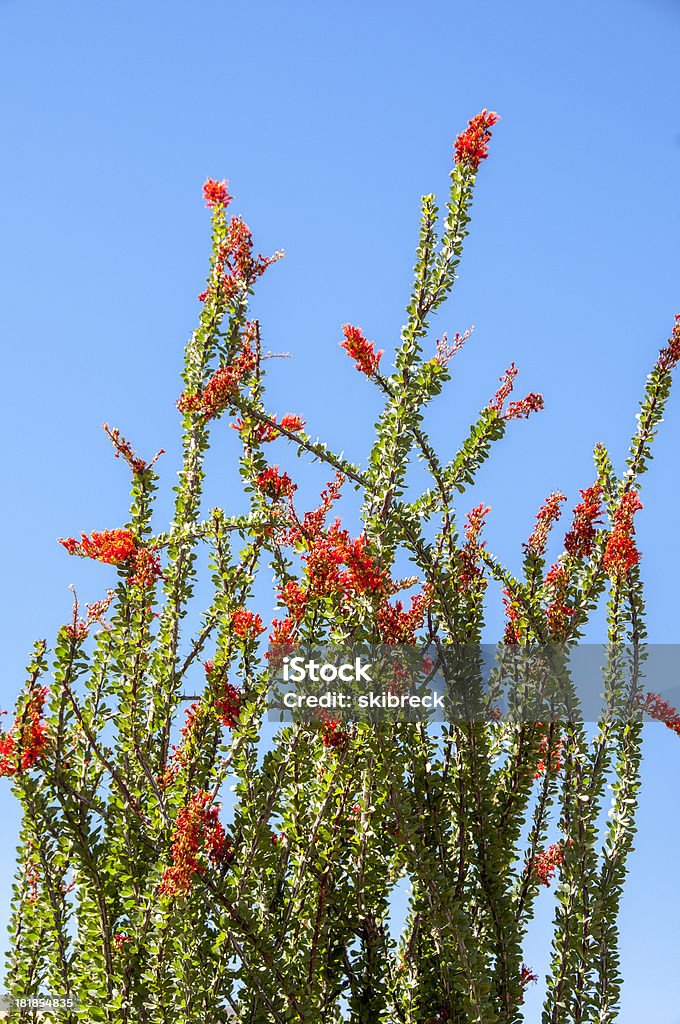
144	894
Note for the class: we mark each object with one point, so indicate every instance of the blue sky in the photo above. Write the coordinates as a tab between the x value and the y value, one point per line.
330	120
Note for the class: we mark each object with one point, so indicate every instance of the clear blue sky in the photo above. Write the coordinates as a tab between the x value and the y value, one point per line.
330	120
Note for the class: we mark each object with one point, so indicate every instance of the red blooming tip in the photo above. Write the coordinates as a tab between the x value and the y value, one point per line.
527	976
215	193
247	625
198	834
274	484
294	598
524	408
332	733
111	546
472	145
669	357
579	541
547	863
660	710
548	514
228	705
366	359
621	552
22	746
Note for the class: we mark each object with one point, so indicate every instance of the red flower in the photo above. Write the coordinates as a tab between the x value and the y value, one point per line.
361	350
294	598
292	423
516	410
524	408
669	357
263	432
26	740
339	565
579	541
558	612
216	193
119	940
282	631
198	825
313	522
221	387
661	711
274	484
550	760
507	384
228	705
513	614
547	863
470	571
548	514
333	735
527	976
472	145
621	553
77	628
236	266
147	566
111	546
397	626
124	450
246	624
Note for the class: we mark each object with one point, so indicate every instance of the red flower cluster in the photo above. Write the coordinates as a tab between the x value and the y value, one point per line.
294	597
527	976
282	634
507	384
216	193
550	760
119	940
221	387
116	547
472	145
547	863
361	350
661	711
236	268
579	541
274	484
247	625
124	450
198	825
26	740
558	612
340	565
621	553
113	547
313	522
669	357
397	626
523	409
548	514
228	705
263	432
471	572
147	566
333	735
516	410
513	625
